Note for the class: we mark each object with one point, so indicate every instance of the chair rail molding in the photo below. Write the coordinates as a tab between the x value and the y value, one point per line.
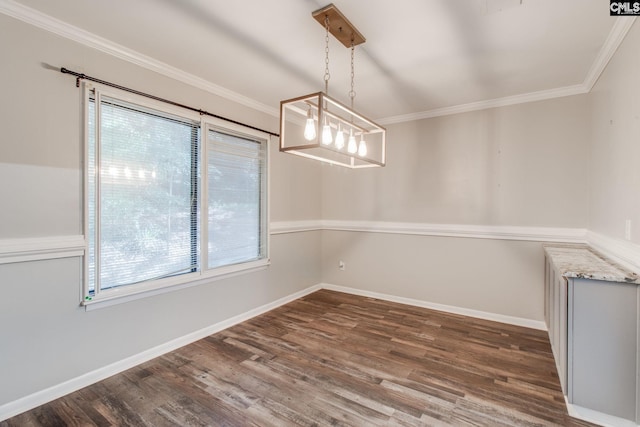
626	253
497	232
621	251
285	227
40	248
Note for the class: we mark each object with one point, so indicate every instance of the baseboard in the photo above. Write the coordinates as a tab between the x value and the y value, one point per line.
511	320
26	403
34	400
598	418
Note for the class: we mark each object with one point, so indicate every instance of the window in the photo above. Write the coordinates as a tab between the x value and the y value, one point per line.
163	207
235	187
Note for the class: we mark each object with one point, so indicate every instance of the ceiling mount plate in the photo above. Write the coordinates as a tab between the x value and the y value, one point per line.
339	25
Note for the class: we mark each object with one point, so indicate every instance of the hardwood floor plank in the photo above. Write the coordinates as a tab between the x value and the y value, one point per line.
333	359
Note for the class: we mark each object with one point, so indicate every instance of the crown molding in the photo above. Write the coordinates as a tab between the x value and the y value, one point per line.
68	31
617	34
490	103
31	16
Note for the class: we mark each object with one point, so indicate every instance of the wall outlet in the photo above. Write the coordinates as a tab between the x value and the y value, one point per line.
627	229
342	266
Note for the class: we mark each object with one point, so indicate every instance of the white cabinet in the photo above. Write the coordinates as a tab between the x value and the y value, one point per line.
592	314
603	319
556	317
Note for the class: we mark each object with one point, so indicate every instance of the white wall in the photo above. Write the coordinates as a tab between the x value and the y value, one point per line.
522	165
615	144
46	338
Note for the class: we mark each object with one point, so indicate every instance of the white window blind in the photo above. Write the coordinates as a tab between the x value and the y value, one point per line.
236	199
145	195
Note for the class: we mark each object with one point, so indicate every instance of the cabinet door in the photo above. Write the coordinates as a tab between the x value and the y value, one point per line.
553	310
548	293
562	331
556	318
603	341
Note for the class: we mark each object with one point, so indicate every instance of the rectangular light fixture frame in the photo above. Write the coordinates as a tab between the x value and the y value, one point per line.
324	109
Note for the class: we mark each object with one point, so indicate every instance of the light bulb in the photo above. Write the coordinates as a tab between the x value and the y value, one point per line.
352	147
327	138
362	148
339	138
310	127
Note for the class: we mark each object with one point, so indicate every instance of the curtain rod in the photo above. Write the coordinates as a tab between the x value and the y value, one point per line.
80	76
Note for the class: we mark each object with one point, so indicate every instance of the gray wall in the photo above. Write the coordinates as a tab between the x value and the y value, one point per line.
502	166
45	337
615	144
492	276
522	165
569	162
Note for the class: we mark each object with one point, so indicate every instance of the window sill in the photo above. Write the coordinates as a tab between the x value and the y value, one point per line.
134	292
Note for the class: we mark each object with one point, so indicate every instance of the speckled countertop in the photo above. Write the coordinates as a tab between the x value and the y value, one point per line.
581	261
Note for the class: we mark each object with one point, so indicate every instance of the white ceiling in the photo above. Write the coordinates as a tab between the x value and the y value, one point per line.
421	57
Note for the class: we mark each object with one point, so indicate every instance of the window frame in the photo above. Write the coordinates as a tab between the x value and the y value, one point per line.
203	274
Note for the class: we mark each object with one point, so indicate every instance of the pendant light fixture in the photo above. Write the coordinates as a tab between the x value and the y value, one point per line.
316	126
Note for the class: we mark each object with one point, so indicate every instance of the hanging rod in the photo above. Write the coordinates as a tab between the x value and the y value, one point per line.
80	76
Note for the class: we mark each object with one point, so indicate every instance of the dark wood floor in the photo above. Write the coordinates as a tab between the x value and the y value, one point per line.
333	359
